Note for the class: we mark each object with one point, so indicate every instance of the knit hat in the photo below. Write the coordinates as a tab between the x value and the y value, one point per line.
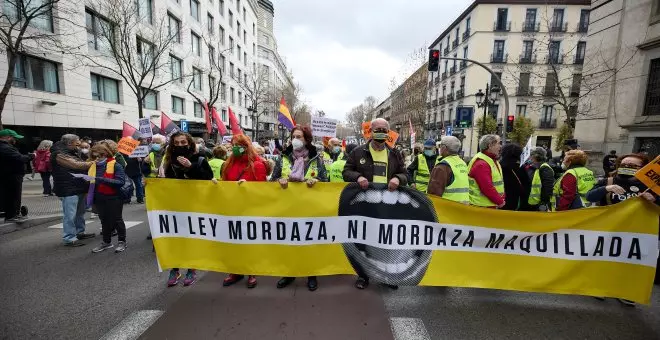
429	143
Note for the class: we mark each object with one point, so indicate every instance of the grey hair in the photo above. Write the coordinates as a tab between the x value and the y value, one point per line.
160	139
69	138
538	153
452	144
45	144
381	119
486	141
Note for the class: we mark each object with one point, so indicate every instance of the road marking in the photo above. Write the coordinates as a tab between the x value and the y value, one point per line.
409	329
133	325
129	224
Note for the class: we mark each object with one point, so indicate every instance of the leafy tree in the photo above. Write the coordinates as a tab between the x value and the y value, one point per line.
490	128
565	132
522	130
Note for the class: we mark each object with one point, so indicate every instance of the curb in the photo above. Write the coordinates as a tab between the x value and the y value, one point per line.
6	228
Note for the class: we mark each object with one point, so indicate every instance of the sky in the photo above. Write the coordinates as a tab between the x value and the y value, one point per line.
342	51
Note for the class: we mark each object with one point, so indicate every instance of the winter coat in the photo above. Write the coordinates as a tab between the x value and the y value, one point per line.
360	163
238	171
42	161
65	162
11	160
199	169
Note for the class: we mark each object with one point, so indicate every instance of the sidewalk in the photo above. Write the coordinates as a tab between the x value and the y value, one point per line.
33	200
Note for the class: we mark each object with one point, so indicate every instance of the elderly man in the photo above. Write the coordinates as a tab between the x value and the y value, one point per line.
419	171
156	155
12	171
332	152
542	178
449	178
485	174
70	190
375	162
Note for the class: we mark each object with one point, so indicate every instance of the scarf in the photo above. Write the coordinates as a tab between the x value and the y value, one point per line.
298	168
109	173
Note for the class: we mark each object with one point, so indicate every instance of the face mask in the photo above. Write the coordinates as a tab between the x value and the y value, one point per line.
84	151
336	149
155	147
181	150
429	153
626	171
563	166
200	147
380	137
297	144
237	150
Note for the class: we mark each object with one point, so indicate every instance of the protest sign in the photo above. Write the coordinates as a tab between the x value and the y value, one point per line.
392	136
226	139
650	175
145	127
324	127
366	130
527	151
141	151
127	145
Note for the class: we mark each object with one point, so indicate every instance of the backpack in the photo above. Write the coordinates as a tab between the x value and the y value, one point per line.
126	191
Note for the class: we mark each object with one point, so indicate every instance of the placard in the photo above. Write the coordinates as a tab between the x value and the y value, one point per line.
127	145
650	175
141	151
527	151
392	136
324	127
145	127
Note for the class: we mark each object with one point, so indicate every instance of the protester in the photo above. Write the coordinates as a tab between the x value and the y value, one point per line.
12	171
609	163
485	174
332	152
449	178
375	162
71	190
156	155
84	150
570	190
182	161
134	172
106	178
337	166
43	167
243	165
542	178
419	171
219	156
300	162
516	182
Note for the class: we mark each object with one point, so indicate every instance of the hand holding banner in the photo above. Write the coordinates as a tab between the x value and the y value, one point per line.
650	175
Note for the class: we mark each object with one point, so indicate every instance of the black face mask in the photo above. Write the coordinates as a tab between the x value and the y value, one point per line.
183	150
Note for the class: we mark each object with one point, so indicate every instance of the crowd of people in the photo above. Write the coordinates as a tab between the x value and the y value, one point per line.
95	176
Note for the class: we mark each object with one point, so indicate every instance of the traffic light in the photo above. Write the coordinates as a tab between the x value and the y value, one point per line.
509	123
434	60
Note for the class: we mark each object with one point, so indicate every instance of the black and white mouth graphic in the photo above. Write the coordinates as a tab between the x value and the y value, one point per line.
390	266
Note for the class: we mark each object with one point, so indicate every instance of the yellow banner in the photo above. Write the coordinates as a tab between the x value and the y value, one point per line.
402	237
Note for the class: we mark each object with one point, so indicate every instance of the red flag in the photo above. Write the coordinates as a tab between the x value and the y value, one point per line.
155	129
207	117
130	131
221	125
167	126
234	124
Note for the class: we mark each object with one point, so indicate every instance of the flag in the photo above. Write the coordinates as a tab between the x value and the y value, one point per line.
155	129
207	117
167	126
222	130
412	134
284	116
234	124
130	131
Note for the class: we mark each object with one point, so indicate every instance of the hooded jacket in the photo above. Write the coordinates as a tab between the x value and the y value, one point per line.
64	163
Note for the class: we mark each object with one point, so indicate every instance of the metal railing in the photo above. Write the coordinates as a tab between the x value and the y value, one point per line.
498	58
525	91
466	34
527	59
554	59
446	51
450	97
550	91
452	70
502	27
558	27
575	91
444	75
531	26
463	65
547	124
578	60
583	27
441	100
454	43
435	102
460	94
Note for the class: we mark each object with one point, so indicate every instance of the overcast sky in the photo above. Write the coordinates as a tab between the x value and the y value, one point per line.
341	51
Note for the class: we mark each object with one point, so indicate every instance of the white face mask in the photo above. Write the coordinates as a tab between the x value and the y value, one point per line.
297	144
563	166
84	151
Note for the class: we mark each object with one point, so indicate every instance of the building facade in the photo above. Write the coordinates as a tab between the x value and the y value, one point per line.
54	94
536	48
625	37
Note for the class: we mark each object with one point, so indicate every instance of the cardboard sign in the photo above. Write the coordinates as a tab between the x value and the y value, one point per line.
392	136
145	127
141	151
366	130
650	175
324	127
527	151
127	145
226	139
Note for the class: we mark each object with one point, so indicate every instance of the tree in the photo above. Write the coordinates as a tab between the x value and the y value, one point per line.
490	128
134	51
565	133
361	113
259	92
300	111
26	26
523	129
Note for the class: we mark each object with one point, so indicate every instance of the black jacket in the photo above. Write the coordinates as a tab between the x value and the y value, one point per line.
65	183
200	169
133	167
412	168
516	186
360	163
12	162
547	183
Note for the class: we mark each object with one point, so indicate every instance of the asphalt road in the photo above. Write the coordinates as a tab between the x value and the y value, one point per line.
51	292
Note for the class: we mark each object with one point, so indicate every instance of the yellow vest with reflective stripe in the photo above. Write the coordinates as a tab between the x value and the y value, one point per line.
535	193
327	160
336	170
216	166
459	189
312	171
585	182
476	197
423	174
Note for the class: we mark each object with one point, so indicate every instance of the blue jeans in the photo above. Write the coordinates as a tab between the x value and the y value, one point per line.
73	222
139	190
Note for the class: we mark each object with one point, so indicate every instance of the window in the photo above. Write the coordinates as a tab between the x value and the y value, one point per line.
465	52
246	120
530	20
197	79
175	68
521	110
194	9
211	55
223	94
231	70
575	86
245	58
548	112
523	84
493	79
240	98
221	32
178	105
105	89
231	19
652	97
240	75
584	20
254	49
238	29
579	52
244	37
498	50
231	44
174	27
150	99
239	53
195	41
494	110
197	110
240	119
501	24
232	95
224	115
144	10
98	31
550	84
557	19
210	23
554	52
44	19
245	79
238	5
212	85
467	24
244	15
254	29
223	62
36	74
528	47
145	51
221	4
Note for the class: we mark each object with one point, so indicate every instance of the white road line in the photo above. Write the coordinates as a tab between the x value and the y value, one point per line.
133	325
129	224
409	329
60	225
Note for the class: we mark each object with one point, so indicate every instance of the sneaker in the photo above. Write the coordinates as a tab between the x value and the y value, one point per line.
121	246
12	220
174	278
82	236
73	244
627	302
231	279
285	281
312	283
102	247
252	281
191	277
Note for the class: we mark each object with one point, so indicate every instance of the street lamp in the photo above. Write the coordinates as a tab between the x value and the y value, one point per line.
487	100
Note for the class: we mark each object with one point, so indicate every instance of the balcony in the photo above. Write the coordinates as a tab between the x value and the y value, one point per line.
527	59
550	91
444	75
547	123
554	59
502	26
466	35
454	43
575	91
436	81
450	97
558	27
452	70
578	60
441	100
583	27
435	102
463	65
498	58
428	105
446	51
527	91
460	94
531	27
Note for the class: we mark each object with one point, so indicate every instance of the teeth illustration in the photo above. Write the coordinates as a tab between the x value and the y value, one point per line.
392	268
385	196
404	198
374	196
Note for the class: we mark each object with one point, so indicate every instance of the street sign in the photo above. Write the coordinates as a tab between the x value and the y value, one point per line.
464	116
184	125
449	130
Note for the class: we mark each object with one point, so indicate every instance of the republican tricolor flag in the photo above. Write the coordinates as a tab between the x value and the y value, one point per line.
284	116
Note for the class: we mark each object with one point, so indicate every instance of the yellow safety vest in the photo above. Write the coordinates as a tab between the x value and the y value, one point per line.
312	171
459	189
216	166
423	174
336	170
535	193
585	182
476	197
327	160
